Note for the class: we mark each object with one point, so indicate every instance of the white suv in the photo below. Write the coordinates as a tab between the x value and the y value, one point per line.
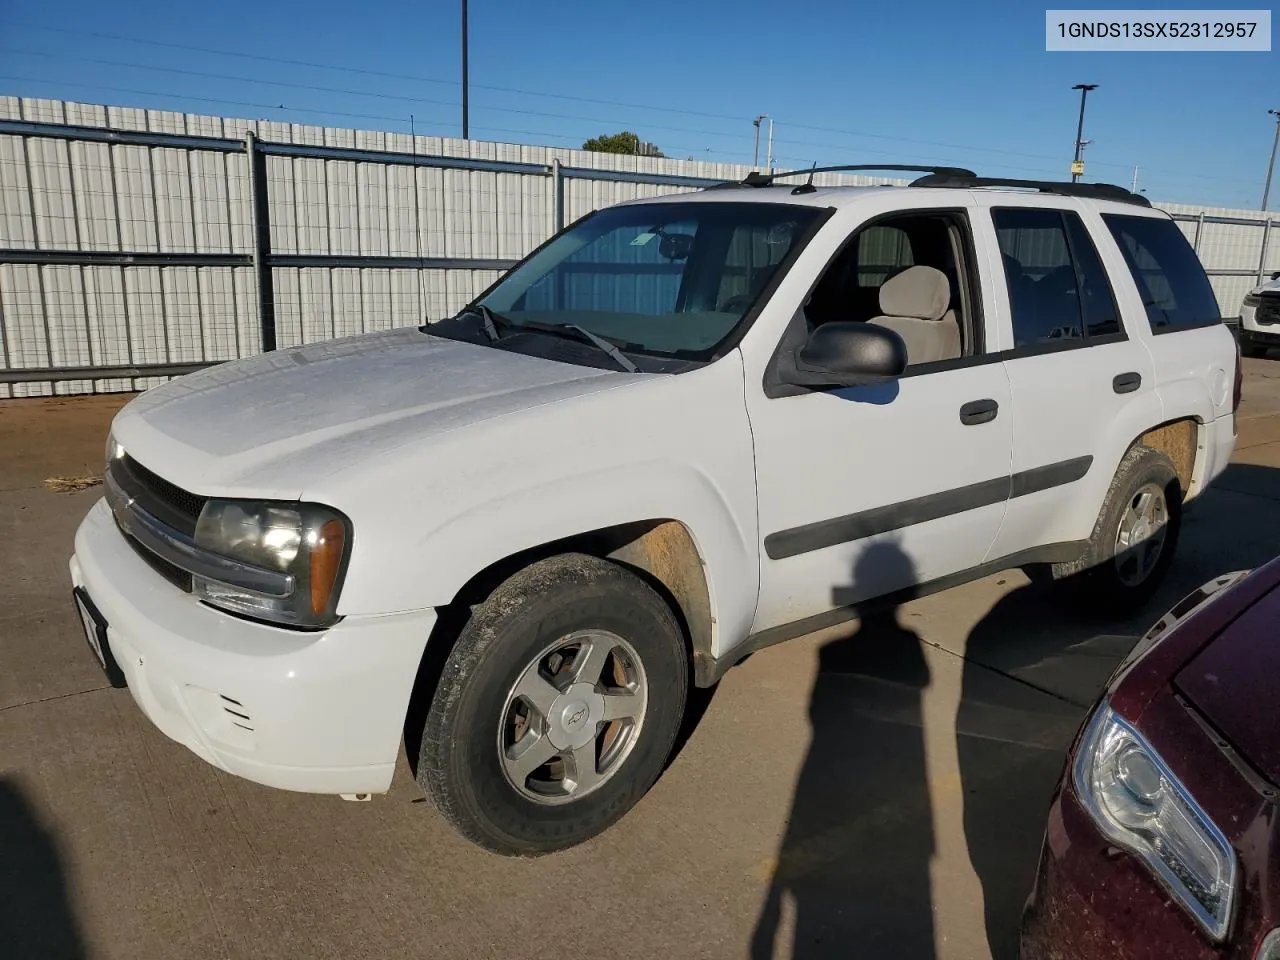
1260	318
681	430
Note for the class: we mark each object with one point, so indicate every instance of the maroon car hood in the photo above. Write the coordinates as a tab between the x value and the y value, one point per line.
1235	683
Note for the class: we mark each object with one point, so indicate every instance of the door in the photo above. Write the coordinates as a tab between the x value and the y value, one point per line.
1078	379
864	491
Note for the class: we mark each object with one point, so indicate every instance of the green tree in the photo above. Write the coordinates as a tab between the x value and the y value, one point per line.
624	142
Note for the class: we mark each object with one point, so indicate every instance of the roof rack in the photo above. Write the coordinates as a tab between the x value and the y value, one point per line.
756	179
1094	191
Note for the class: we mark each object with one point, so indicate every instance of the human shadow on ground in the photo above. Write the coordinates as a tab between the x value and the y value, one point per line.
852	872
36	915
852	875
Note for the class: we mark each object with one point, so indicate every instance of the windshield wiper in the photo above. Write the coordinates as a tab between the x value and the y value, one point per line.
490	320
582	333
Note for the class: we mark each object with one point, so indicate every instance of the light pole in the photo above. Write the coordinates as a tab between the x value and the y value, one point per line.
755	155
1271	164
1077	164
466	126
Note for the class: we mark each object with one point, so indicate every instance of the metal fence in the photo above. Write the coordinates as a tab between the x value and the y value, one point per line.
137	245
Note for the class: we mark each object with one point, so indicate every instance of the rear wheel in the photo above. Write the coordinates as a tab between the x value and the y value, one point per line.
557	708
1135	536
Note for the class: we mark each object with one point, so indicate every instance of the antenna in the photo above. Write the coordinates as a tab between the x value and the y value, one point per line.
807	186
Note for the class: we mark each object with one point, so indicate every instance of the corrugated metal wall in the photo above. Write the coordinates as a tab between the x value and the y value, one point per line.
1226	246
75	195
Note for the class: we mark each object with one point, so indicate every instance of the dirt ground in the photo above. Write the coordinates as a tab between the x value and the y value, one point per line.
873	791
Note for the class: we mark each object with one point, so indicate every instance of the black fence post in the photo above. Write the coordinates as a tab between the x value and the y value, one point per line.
262	242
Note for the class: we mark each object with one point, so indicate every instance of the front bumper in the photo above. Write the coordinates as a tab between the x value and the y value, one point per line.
1094	902
319	712
1256	332
1260	338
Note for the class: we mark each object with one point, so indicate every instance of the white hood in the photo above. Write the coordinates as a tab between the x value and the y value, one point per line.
268	425
1271	286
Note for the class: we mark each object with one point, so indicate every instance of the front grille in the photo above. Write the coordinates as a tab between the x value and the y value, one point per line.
175	575
1268	311
170	504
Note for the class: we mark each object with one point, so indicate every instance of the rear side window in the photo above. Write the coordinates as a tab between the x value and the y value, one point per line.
1168	273
1058	289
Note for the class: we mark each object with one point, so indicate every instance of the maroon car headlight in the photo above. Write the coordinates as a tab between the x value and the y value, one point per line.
1142	807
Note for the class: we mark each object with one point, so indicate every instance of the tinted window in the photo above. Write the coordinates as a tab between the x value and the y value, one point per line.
1040	276
1168	273
1058	289
1097	303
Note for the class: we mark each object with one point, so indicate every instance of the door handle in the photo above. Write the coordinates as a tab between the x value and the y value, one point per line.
978	411
1126	382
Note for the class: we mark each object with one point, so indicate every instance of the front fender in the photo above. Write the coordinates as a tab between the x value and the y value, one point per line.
428	517
436	565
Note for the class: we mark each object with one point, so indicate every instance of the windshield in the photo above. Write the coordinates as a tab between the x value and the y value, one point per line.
661	278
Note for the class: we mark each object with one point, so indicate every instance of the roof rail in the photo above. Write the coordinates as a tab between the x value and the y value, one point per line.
1094	191
756	179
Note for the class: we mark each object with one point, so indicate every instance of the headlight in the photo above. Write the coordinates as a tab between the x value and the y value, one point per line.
114	450
1143	808
1252	300
307	543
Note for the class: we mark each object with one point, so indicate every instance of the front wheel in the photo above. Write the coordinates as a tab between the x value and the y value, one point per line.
1136	533
557	707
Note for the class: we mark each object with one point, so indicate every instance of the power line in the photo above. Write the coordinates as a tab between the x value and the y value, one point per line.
374	73
182	71
614	103
1181	176
693	152
533	93
524	92
256	105
453	83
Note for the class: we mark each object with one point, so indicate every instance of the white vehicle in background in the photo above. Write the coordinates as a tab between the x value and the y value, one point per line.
1260	318
682	430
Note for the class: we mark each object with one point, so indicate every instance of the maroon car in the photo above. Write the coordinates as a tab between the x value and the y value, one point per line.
1163	838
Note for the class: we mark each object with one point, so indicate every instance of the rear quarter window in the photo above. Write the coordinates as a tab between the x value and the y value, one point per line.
1174	288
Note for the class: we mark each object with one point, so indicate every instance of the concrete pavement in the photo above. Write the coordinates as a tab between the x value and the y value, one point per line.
876	790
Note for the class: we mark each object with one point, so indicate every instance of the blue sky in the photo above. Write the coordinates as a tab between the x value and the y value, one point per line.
929	82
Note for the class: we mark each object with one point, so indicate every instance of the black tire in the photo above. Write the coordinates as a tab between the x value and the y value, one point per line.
459	765
1117	587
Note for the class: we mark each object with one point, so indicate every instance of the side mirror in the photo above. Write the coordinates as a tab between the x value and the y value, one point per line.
849	354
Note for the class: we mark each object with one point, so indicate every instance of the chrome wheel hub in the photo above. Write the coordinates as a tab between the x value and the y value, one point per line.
1140	539
572	717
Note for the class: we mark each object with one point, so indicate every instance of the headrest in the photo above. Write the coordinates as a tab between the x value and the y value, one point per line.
921	292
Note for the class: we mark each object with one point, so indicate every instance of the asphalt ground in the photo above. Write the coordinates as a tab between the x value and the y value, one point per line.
875	790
